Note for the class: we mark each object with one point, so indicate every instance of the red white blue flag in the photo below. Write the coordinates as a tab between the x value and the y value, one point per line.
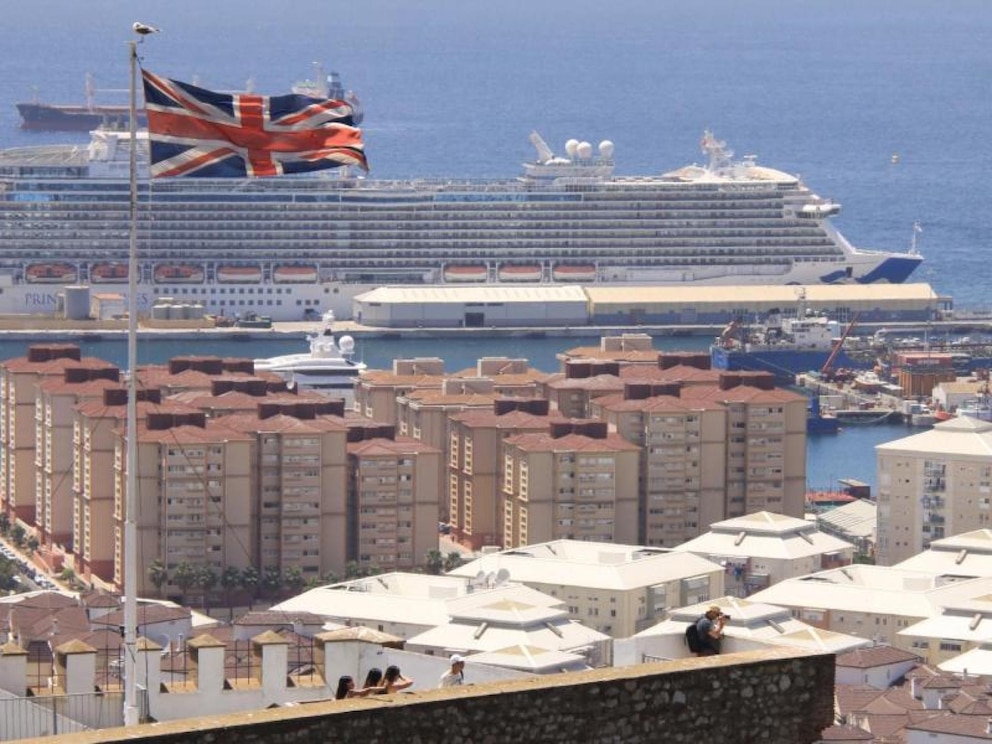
201	133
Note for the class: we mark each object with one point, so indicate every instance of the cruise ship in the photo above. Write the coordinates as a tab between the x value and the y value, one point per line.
294	247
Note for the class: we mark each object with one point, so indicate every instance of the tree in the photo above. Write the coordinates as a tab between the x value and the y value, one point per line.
158	574
17	534
69	577
249	582
453	560
330	578
4	523
435	561
271	580
206	579
32	544
229	580
185	577
352	570
294	579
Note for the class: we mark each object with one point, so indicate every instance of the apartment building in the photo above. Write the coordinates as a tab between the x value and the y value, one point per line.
475	466
931	485
683	450
616	589
97	428
393	502
54	425
577	481
761	549
376	391
299	510
766	443
18	417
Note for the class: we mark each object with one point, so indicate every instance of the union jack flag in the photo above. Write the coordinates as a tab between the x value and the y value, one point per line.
201	133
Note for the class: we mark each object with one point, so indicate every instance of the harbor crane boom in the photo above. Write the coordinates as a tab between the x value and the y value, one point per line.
828	366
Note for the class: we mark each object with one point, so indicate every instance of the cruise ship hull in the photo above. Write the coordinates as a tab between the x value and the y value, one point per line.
291	247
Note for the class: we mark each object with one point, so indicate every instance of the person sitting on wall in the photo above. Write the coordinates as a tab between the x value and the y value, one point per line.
393	681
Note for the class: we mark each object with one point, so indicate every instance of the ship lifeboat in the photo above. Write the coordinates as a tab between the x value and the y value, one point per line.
50	273
520	273
294	274
463	273
178	273
108	273
574	273
239	274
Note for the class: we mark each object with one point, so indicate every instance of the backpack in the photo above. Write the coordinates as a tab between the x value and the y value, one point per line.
692	639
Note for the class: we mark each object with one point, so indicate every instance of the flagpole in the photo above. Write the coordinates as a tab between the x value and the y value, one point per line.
129	562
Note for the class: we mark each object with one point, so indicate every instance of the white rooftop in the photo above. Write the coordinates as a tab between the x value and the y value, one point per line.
436	294
761	622
858	518
961	436
968	554
764	535
974	661
530	659
880	590
595	565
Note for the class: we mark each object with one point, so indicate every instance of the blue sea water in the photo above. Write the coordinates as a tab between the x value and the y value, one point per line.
829	89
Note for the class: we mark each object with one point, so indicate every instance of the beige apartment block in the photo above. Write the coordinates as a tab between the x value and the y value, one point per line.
616	589
54	450
393	502
766	443
423	415
97	427
763	548
570	486
194	491
932	485
376	391
18	378
475	466
683	454
511	378
299	511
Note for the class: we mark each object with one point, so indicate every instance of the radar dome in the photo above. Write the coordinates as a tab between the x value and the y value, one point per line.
584	150
346	344
606	149
571	146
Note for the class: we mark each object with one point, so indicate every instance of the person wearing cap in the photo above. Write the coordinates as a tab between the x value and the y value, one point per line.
456	675
709	628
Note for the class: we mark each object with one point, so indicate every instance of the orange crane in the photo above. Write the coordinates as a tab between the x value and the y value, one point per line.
827	370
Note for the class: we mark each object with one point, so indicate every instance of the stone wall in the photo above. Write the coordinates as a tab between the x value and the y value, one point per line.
771	696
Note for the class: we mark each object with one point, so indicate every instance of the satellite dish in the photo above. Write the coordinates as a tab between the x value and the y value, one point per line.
502	576
490	578
481	576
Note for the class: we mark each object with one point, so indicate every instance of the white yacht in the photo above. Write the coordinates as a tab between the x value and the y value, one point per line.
327	366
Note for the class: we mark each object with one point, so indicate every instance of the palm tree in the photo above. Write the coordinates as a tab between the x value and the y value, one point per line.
206	579
158	574
249	582
293	579
185	577
435	561
229	579
453	560
271	580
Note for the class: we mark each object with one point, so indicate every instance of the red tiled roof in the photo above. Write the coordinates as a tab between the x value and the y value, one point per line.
875	656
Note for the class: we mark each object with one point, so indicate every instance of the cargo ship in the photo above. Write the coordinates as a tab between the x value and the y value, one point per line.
85	117
292	246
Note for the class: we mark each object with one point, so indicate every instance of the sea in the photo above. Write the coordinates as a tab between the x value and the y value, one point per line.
882	106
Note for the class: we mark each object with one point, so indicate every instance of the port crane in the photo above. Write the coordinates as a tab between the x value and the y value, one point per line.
827	370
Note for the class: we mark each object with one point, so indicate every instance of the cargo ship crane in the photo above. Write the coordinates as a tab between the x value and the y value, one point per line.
827	370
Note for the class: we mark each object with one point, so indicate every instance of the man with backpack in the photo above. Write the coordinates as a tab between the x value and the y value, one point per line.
705	634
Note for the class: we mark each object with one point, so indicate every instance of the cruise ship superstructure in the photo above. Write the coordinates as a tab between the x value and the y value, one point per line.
295	247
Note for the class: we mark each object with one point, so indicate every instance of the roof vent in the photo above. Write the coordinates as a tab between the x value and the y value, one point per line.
740	538
959	558
975	621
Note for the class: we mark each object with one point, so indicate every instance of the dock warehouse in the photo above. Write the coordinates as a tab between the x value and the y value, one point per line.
475	306
674	305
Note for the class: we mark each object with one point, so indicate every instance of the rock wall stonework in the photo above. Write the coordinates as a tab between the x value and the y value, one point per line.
778	696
